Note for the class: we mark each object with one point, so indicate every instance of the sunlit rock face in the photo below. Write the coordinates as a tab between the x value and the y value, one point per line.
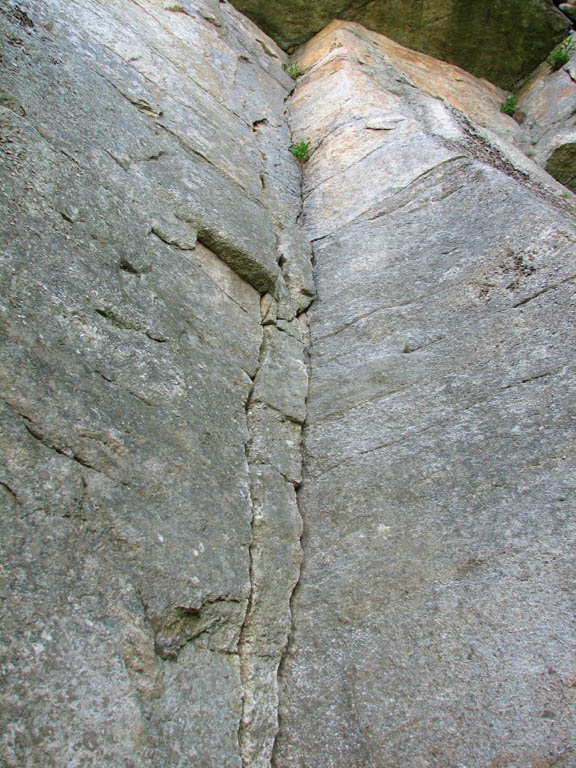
162	347
432	621
502	41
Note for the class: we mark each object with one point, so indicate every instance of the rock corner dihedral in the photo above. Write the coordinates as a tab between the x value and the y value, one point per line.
288	468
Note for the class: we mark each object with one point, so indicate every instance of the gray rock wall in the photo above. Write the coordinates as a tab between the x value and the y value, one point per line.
151	424
434	618
156	285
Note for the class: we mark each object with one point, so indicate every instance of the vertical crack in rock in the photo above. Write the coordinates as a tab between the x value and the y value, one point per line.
130	354
275	412
242	654
293	597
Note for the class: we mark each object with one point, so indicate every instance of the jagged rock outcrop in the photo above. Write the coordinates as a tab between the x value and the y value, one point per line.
501	41
158	341
432	620
151	440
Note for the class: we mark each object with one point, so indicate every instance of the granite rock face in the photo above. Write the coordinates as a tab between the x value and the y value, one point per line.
502	41
147	199
434	618
158	343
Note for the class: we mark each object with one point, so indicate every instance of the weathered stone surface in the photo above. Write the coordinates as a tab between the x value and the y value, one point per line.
502	42
478	99
296	257
282	379
275	441
548	106
432	621
173	131
276	555
155	286
142	206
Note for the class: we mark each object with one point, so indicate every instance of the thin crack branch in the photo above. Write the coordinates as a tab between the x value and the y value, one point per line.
544	290
10	491
34	431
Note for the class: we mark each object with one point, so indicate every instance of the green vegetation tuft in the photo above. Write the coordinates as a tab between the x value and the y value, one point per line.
301	151
293	70
561	54
510	106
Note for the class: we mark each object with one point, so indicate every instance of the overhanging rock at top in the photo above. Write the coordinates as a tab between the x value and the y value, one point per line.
502	41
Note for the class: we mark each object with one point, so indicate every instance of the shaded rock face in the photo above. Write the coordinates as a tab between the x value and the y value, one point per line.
433	622
150	422
548	106
502	42
156	270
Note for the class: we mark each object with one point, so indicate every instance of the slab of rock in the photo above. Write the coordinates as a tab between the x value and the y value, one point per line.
141	213
432	621
275	441
502	42
282	379
478	99
154	284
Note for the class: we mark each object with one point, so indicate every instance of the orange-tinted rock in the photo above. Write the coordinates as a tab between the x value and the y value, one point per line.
479	99
501	41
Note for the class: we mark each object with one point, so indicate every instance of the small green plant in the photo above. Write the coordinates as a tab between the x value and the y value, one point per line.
301	151
293	70
510	106
561	54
